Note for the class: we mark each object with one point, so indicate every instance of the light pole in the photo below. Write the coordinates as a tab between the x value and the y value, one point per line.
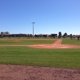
33	27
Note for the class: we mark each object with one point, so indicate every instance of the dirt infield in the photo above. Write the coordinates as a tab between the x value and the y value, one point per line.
56	45
17	72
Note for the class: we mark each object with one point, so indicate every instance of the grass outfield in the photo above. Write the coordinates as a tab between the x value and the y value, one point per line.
41	57
69	41
25	41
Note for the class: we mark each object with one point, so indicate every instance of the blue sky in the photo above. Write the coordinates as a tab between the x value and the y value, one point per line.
50	16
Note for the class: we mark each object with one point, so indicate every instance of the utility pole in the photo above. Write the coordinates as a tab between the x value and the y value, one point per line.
33	28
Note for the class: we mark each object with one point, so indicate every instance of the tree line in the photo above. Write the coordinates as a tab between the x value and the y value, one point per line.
7	34
59	35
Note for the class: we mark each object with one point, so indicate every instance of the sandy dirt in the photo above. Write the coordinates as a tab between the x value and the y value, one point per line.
15	40
56	45
20	72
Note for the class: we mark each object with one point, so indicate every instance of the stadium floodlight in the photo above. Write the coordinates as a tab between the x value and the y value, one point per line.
33	27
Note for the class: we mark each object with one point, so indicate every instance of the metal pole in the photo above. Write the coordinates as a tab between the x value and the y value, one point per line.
33	28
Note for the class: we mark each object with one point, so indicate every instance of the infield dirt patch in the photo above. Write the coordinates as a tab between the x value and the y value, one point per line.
56	45
15	40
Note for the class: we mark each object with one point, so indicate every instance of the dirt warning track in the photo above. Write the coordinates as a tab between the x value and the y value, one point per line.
56	45
18	72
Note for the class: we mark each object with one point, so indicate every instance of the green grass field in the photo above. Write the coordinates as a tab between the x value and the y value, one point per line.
25	41
69	41
68	58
